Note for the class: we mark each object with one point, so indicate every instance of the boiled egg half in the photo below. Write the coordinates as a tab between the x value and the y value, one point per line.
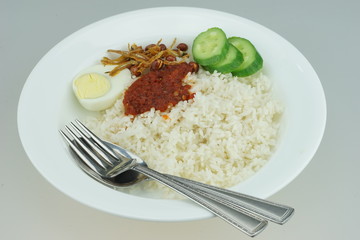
96	90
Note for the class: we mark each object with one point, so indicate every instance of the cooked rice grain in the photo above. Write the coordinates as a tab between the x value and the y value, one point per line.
221	137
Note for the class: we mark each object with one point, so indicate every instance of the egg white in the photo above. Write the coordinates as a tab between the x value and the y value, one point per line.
118	83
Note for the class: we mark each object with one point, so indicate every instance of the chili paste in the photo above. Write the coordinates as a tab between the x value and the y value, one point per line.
159	89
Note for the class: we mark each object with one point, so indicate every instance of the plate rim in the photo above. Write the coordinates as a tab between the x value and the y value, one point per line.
201	214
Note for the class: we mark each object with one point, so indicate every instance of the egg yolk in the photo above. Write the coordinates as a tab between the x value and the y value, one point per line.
91	85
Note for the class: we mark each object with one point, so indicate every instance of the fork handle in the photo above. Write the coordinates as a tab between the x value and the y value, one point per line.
247	223
271	211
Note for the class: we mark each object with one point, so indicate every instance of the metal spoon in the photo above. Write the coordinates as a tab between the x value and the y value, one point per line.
253	206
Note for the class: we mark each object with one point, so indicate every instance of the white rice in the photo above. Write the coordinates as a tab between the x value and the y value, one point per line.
221	137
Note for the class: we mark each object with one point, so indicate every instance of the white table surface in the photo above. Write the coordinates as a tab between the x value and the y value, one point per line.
326	195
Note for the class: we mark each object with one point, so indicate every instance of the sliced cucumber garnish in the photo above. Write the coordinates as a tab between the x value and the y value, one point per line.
253	62
232	60
210	47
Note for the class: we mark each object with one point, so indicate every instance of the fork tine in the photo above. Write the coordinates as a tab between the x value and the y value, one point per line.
94	147
85	148
80	154
96	139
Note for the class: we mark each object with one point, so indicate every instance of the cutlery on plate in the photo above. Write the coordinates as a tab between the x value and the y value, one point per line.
103	161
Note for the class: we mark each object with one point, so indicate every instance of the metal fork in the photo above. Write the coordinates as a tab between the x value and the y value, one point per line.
240	210
271	211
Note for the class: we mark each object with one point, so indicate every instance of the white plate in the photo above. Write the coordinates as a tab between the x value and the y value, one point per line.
47	103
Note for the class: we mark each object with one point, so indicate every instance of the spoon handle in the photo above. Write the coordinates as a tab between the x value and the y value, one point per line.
271	211
247	223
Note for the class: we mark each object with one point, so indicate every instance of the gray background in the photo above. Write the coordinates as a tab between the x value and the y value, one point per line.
326	194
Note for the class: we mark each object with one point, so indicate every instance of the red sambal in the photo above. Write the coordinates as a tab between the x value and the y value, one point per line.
159	89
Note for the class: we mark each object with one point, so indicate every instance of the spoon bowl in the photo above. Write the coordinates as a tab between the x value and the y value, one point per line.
105	162
118	182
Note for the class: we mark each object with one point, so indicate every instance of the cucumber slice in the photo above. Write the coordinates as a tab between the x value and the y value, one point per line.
253	62
210	47
232	60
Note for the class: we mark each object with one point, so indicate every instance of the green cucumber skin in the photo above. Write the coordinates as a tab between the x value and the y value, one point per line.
218	57
213	59
251	64
228	65
251	69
